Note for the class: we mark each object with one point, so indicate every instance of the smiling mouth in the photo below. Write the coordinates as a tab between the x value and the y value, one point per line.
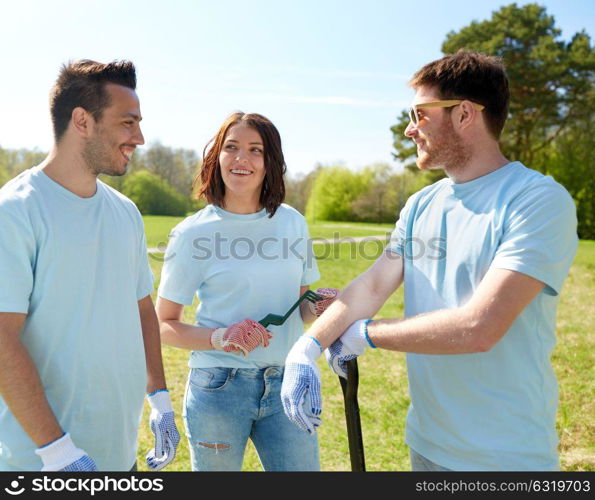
127	152
239	171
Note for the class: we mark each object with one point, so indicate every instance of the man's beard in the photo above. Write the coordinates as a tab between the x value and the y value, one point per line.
99	157
447	152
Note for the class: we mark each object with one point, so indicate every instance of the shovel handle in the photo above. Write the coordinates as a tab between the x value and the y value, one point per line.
352	416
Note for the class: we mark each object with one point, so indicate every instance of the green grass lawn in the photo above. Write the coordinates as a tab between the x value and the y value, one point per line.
383	393
157	228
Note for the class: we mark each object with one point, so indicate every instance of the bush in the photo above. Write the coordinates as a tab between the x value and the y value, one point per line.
334	191
154	196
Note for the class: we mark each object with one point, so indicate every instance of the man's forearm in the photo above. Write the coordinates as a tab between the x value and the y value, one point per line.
355	302
446	331
475	327
22	390
152	343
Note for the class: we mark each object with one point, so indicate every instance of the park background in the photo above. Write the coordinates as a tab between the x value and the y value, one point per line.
332	75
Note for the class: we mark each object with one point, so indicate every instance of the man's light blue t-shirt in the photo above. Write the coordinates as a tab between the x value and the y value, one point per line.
77	268
240	266
494	410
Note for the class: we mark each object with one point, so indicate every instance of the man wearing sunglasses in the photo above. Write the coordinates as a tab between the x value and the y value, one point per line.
480	313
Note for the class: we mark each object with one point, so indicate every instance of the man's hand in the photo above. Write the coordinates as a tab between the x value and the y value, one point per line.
300	391
62	455
164	428
244	336
329	295
351	344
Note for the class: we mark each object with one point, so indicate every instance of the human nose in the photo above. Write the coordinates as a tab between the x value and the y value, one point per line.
410	130
138	136
241	155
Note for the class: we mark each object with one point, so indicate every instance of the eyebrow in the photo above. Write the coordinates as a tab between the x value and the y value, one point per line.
138	118
233	140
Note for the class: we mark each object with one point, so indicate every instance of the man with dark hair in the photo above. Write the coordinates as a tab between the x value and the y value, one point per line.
78	332
483	254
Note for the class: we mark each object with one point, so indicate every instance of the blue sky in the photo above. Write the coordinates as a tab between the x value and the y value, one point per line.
330	74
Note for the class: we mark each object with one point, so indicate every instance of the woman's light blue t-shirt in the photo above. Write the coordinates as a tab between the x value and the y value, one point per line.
494	410
241	266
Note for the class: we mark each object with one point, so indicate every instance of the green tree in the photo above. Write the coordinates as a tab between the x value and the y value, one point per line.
153	195
334	191
378	202
299	188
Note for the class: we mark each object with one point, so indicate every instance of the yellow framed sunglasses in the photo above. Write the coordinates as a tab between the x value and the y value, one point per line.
414	117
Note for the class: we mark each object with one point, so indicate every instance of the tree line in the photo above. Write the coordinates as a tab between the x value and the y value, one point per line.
550	128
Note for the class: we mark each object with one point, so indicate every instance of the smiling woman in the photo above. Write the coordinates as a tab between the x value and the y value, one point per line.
242	168
246	255
244	165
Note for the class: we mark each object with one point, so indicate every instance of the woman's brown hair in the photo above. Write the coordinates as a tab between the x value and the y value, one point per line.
208	181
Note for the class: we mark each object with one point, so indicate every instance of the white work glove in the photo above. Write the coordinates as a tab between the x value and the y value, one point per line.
329	295
350	345
300	390
244	336
63	455
164	428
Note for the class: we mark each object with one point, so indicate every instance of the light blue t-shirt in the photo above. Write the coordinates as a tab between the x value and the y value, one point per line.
76	267
241	266
494	410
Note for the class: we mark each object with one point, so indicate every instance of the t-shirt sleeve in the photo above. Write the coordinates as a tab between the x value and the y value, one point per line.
17	261
182	271
539	237
398	237
310	272
146	278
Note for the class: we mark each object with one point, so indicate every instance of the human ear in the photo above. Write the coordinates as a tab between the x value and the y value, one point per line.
466	114
82	121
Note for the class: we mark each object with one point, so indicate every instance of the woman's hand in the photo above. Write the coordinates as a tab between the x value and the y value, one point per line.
244	336
329	295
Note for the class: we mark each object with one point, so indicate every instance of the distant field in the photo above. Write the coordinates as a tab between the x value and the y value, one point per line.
157	228
383	381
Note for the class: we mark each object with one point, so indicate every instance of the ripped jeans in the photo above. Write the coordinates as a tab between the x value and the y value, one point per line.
223	407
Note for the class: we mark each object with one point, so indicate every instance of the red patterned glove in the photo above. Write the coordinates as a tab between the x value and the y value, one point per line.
329	294
244	336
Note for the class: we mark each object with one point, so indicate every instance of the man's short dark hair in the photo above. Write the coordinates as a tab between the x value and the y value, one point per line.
82	84
472	76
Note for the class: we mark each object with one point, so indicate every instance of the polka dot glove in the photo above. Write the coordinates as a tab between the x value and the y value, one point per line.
243	337
63	455
329	295
164	429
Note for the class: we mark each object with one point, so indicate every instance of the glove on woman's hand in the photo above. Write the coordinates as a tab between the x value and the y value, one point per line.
244	336
329	295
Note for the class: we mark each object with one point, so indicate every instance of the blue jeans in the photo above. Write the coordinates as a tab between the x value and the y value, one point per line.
419	463
223	407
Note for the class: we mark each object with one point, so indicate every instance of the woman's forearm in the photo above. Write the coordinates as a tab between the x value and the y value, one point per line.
184	336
